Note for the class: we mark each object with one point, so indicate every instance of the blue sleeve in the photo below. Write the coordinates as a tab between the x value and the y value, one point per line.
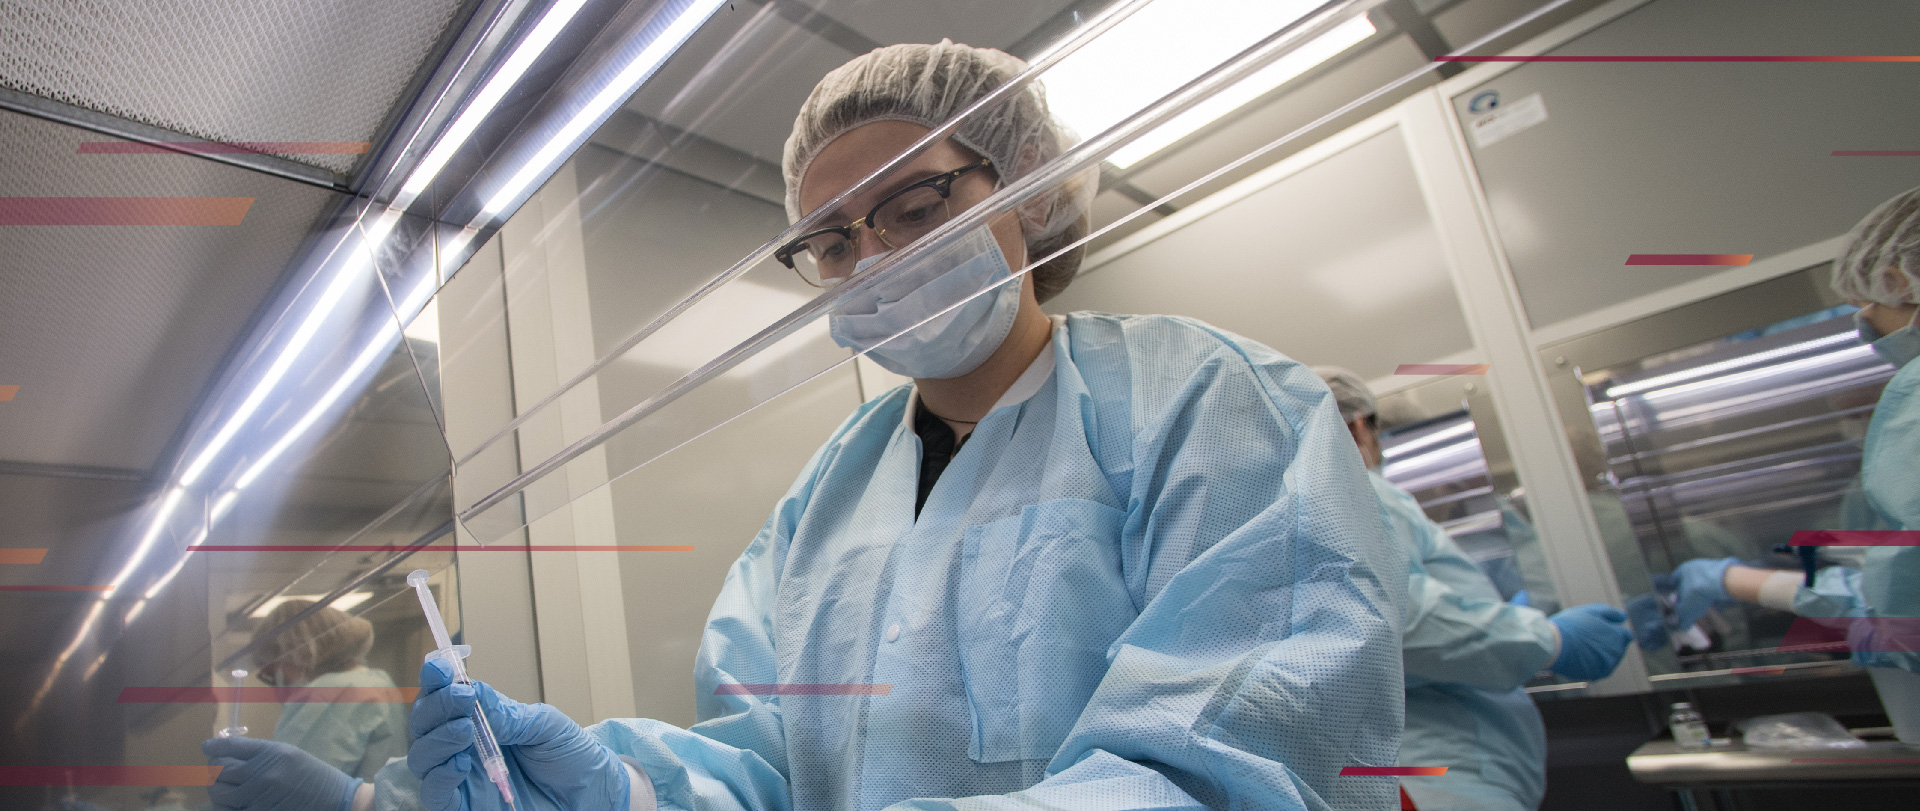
735	757
1265	657
1458	630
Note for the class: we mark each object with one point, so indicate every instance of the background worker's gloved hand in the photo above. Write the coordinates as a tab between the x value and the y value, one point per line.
555	763
263	775
1593	638
1698	585
1649	625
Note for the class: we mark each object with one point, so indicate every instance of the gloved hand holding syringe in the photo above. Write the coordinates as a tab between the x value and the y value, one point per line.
491	758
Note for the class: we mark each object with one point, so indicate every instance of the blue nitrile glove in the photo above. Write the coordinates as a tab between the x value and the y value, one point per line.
1593	637
1521	597
1649	626
262	775
554	763
1700	584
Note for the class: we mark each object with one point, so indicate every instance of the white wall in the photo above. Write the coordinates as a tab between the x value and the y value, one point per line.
1337	263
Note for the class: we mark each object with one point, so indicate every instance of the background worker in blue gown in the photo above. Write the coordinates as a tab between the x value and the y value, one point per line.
1878	271
1101	562
1467	652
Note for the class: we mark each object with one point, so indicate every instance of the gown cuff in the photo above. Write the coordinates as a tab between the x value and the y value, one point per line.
1776	592
640	797
363	797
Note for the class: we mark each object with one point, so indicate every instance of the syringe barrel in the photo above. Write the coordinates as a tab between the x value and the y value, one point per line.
418	580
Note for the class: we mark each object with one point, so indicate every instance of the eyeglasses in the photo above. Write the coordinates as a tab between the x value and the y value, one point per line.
829	255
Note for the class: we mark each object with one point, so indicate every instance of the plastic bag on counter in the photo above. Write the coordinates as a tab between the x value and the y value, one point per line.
1797	730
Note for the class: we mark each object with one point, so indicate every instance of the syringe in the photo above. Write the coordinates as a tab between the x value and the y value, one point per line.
490	756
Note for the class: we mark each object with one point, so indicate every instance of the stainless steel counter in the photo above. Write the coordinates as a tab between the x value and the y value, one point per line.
1661	762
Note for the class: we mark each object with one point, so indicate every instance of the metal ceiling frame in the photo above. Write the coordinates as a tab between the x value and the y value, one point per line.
130	130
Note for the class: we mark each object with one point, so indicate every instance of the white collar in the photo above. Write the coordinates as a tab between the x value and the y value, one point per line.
1023	388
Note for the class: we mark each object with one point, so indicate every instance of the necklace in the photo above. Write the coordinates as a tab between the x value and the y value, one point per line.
923	404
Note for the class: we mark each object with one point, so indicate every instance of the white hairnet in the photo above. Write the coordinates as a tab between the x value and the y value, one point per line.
1881	261
327	641
1350	393
929	84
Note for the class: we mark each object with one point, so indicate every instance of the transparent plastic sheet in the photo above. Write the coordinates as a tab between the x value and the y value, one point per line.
685	411
335	472
662	146
1725	449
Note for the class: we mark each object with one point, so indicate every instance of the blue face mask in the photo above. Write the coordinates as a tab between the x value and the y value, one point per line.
949	344
1898	347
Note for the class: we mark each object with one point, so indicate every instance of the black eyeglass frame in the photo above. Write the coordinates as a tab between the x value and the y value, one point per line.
941	183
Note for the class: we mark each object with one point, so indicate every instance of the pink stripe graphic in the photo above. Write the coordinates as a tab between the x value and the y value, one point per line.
1676	59
1857	760
1441	369
803	689
108	775
234	148
1876	153
1392	771
1855	537
7	393
56	588
123	210
223	694
1690	259
1856	634
403	548
23	555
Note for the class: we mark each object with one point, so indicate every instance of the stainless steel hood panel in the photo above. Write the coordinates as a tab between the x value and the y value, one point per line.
270	70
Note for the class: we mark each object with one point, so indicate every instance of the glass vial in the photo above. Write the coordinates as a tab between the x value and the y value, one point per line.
1689	728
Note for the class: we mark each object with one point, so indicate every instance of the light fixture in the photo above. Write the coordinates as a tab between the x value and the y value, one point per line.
1750	375
616	90
344	602
1661	381
489	97
1171	42
375	350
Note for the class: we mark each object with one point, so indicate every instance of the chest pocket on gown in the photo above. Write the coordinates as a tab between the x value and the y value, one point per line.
1042	598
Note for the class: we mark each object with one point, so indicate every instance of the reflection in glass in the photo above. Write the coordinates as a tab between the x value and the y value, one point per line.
346	724
1725	449
1439	461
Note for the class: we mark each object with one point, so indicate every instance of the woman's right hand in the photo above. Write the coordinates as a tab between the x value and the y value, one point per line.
550	757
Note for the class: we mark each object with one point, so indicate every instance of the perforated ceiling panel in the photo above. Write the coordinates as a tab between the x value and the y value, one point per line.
113	331
226	70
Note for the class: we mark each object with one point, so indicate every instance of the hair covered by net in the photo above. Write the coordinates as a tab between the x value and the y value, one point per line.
328	641
930	84
1350	393
1881	260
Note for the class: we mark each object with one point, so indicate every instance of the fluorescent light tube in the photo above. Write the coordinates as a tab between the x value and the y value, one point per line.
488	98
617	90
1172	42
346	601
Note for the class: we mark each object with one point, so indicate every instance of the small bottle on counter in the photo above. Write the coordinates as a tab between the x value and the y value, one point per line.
1689	728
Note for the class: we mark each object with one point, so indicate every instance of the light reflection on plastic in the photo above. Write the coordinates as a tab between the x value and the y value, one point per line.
1659	381
360	260
488	98
1434	438
1776	370
616	91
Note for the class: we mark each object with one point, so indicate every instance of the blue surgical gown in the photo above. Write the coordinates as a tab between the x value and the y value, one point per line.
356	737
1888	584
1467	653
1154	577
